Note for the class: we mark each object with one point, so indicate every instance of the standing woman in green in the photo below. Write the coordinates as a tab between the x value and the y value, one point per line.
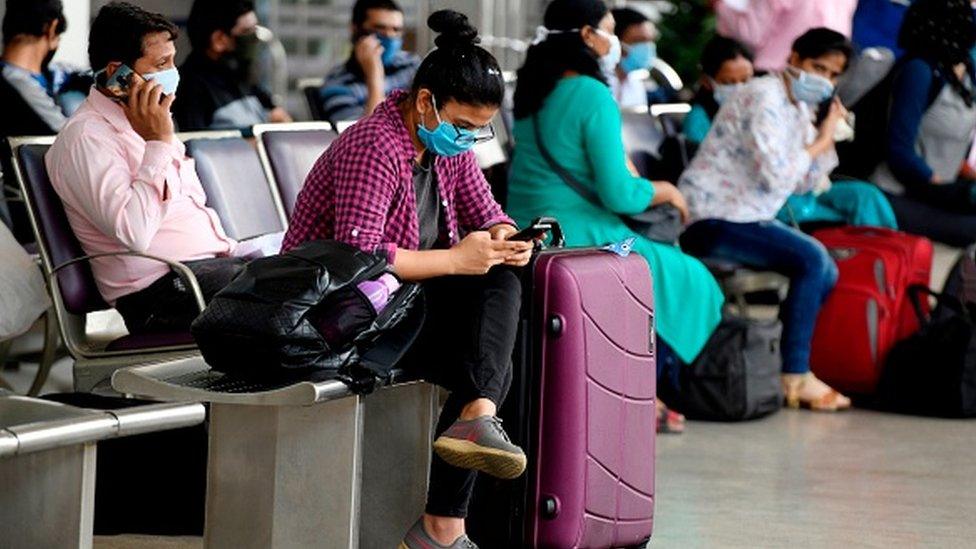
562	87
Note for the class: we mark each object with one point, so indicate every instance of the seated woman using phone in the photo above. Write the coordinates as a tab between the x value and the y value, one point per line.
762	148
404	183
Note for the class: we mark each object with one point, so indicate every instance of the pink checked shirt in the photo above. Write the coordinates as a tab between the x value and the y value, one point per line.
769	27
124	194
361	190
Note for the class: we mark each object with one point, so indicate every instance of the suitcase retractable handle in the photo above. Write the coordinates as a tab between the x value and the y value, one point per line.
553	228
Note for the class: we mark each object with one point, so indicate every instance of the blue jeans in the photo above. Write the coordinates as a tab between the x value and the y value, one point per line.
772	246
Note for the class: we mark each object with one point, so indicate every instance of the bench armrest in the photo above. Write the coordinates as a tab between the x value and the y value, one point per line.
180	269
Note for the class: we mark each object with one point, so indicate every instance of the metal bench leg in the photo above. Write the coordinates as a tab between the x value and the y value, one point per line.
396	459
48	355
283	477
48	499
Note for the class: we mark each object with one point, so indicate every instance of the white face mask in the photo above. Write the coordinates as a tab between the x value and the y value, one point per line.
725	92
609	61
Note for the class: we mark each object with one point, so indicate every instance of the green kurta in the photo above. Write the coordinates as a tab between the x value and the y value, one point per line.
580	125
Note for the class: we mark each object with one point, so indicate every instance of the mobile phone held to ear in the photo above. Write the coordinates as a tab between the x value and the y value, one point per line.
120	82
535	231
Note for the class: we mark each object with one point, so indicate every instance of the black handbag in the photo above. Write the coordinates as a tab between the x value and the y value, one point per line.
736	376
933	372
659	223
302	311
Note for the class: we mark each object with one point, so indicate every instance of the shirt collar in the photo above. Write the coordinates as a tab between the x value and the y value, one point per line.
110	110
390	111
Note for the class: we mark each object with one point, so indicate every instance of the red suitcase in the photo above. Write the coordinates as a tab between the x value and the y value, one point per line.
582	404
869	309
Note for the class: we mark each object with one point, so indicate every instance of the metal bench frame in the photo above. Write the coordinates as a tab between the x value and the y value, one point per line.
308	464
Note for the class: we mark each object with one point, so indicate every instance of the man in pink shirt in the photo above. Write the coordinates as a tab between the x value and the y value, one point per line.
769	27
127	185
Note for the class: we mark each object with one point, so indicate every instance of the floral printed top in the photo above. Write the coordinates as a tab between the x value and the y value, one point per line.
755	157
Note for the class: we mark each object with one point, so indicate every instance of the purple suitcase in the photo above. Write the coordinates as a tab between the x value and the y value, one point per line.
582	404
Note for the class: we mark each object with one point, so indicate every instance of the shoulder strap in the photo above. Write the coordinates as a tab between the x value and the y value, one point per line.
562	172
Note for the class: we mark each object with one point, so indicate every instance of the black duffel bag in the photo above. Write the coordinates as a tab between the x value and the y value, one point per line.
301	311
736	376
933	372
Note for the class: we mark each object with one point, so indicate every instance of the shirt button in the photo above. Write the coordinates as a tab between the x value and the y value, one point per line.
355	233
450	234
444	203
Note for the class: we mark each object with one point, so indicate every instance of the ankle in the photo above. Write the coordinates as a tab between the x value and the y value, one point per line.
478	408
443	530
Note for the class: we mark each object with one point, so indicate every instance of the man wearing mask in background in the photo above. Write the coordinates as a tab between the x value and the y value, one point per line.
215	85
31	32
376	67
638	48
127	184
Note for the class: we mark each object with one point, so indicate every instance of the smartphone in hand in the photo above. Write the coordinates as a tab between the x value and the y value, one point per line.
117	86
535	231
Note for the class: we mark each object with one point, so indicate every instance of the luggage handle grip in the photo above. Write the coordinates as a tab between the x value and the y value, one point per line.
914	294
553	228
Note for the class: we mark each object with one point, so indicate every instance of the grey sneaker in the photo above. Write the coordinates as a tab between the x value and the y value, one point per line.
417	538
481	444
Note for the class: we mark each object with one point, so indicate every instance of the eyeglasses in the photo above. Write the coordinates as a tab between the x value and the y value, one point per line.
464	136
473	137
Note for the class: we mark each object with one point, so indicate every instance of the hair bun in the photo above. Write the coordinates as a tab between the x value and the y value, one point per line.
453	28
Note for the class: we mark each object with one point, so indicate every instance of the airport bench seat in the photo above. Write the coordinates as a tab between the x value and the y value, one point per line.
305	463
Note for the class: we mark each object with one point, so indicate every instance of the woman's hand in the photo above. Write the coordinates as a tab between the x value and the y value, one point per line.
836	113
502	232
479	252
666	193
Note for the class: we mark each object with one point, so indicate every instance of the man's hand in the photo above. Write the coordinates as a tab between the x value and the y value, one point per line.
279	115
369	55
149	111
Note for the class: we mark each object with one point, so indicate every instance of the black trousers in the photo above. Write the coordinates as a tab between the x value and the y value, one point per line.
167	305
466	347
944	213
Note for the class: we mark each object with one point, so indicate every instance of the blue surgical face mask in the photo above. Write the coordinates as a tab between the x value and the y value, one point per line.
391	47
810	88
169	79
446	139
639	56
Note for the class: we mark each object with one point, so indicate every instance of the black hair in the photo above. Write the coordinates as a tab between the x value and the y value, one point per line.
31	18
941	32
207	16
360	10
547	62
458	68
720	49
821	41
119	31
626	18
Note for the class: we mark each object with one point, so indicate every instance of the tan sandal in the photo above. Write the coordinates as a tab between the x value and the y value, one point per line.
831	401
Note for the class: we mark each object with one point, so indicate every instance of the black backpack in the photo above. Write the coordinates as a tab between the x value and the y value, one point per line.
933	372
736	377
301	311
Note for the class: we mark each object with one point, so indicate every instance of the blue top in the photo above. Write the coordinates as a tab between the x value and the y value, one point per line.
877	22
915	87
